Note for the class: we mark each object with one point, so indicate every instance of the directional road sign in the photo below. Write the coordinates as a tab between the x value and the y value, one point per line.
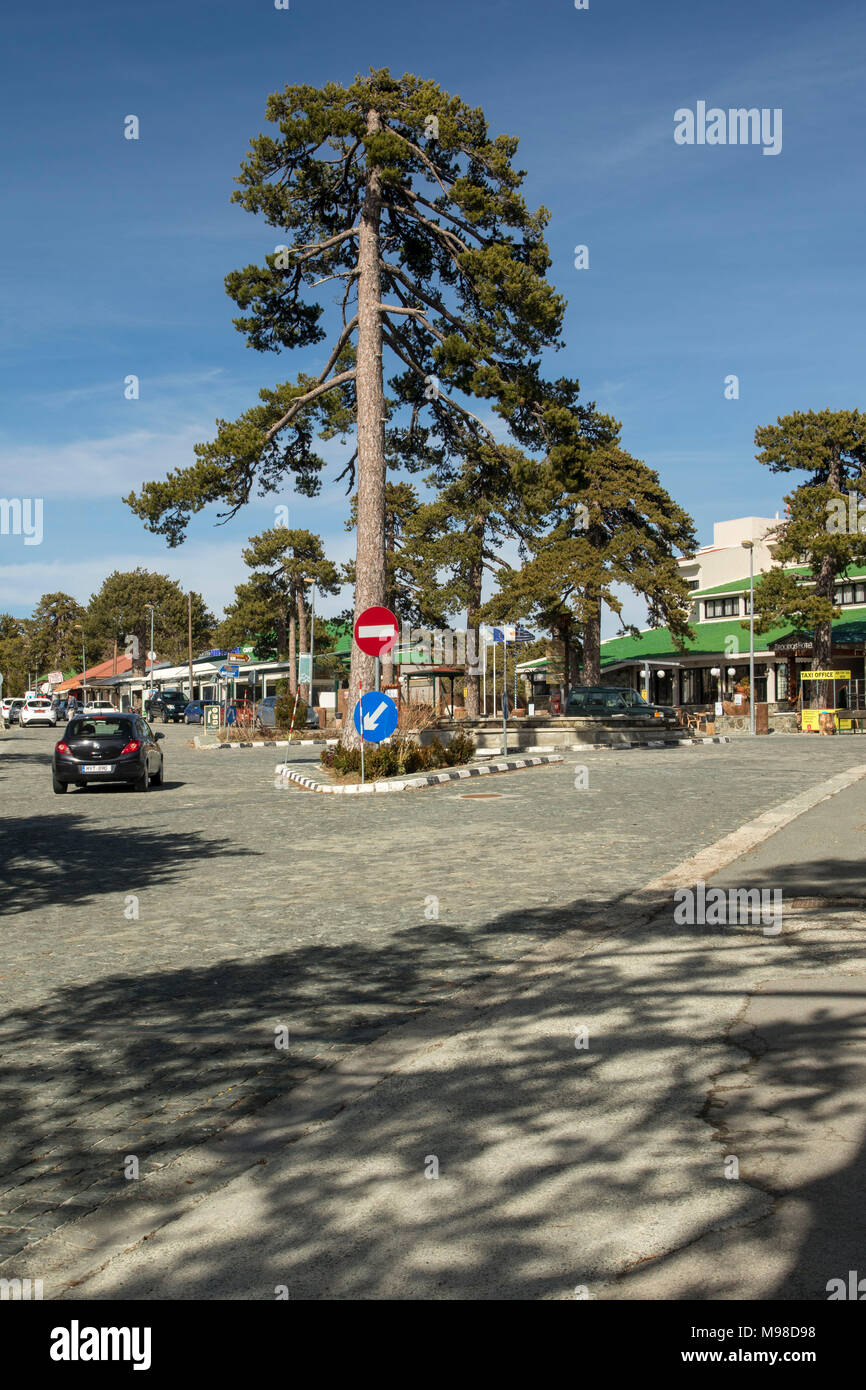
229	670
378	715
376	631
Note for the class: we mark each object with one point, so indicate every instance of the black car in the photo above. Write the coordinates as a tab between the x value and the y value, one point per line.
168	706
616	701
107	748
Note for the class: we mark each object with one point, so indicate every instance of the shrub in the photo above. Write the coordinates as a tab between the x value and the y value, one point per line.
416	716
285	705
400	756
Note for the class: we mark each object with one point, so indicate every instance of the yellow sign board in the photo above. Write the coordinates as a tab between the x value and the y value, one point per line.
811	719
825	675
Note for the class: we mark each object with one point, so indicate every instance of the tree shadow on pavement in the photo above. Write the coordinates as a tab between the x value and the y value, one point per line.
59	863
558	1166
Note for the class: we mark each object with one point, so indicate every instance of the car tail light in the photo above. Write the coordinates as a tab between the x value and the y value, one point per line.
132	747
63	747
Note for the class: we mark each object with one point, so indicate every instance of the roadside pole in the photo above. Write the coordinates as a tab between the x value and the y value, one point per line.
311	702
504	694
189	639
360	693
484	671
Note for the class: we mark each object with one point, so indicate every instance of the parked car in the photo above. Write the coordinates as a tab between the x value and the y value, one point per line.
266	714
10	709
98	707
167	706
616	702
194	712
107	748
39	711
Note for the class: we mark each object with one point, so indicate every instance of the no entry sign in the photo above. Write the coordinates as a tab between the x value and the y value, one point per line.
376	631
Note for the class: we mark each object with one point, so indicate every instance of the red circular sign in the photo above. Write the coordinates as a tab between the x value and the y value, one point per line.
376	631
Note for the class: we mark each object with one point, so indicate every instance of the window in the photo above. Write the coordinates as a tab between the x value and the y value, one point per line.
693	583
721	608
850	593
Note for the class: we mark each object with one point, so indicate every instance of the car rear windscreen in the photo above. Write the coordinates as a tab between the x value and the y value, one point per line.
100	728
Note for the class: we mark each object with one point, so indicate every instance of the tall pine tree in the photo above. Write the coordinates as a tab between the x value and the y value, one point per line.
394	190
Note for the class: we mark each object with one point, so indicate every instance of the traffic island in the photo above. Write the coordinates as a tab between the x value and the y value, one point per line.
286	777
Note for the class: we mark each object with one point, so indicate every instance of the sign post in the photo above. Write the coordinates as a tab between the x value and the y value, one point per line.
376	633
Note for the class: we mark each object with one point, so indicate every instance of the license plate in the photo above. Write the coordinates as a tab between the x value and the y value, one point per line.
97	767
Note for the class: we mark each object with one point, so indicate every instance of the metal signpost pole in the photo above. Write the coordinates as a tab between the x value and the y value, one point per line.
189	639
484	671
751	639
311	701
360	692
494	679
504	696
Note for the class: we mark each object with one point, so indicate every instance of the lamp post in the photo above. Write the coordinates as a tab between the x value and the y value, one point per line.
750	546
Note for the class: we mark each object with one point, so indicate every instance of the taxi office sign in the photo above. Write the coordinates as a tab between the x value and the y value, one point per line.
825	675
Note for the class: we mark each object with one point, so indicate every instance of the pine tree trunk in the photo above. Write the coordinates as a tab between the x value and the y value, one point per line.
282	648
476	575
293	650
369	393
592	640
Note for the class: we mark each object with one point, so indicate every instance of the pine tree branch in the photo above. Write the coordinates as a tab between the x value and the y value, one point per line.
413	366
427	299
350	469
318	390
425	158
440	212
312	248
419	315
443	234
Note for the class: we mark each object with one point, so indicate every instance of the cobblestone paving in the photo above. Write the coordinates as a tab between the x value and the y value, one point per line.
152	945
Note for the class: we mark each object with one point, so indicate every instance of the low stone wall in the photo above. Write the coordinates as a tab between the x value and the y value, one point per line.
550	733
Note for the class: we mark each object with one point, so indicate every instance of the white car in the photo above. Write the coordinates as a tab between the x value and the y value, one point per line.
12	702
40	711
98	707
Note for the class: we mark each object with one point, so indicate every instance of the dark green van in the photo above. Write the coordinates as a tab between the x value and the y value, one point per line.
615	701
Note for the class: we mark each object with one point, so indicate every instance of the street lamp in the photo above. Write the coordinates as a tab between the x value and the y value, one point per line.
750	546
716	671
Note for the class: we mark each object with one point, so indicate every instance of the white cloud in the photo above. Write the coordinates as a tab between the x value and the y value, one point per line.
107	467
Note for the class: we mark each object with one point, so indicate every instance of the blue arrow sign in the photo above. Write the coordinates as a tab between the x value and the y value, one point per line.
378	715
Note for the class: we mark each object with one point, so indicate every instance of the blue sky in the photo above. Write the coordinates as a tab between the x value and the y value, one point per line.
704	261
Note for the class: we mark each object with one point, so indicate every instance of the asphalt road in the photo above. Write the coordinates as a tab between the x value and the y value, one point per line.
154	945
